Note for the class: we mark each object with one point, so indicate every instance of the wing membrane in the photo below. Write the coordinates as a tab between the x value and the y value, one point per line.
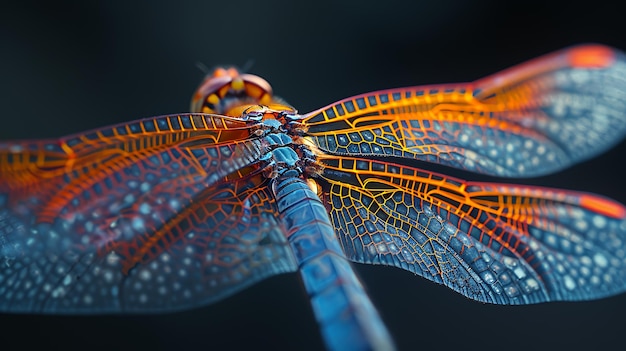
223	242
99	173
159	214
533	119
495	243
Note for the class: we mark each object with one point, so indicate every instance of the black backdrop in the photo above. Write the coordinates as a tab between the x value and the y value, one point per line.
66	67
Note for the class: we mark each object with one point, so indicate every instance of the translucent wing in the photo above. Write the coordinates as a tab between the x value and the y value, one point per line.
532	119
495	243
159	214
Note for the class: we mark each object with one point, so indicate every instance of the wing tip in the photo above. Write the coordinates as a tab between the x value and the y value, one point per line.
591	56
603	206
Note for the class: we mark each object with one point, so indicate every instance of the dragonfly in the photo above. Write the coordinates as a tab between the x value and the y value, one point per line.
179	211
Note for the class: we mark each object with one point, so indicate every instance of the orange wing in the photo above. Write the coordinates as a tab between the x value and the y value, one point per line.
532	119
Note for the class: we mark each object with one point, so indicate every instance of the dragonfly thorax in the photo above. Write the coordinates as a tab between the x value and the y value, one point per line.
280	131
277	125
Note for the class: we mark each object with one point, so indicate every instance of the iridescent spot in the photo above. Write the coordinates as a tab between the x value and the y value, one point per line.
67	280
108	276
541	149
519	273
511	291
509	261
407	256
138	224
145	274
581	224
58	292
489	278
393	248
586	260
528	144
450	228
113	258
372	250
600	260
570	284
382	248
144	187
144	208
129	199
599	221
532	284
175	204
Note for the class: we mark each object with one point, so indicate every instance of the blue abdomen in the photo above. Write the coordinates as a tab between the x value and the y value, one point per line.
347	318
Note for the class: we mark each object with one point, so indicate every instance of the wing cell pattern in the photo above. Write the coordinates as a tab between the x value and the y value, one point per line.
533	119
174	212
161	214
215	247
495	243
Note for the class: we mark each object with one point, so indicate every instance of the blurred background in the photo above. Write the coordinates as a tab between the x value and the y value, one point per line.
70	66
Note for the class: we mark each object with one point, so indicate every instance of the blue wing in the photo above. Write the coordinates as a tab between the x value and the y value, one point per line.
155	215
495	243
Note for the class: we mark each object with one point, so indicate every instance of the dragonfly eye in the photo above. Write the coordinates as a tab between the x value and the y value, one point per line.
206	98
226	89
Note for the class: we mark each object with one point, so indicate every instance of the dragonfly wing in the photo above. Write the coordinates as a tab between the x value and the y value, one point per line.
156	215
495	243
216	246
532	119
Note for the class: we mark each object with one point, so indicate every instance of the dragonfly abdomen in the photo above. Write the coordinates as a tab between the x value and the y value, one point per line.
347	318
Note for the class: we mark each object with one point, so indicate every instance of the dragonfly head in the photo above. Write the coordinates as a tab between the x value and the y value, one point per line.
226	89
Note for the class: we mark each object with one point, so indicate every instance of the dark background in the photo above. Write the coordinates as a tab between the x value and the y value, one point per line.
66	67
